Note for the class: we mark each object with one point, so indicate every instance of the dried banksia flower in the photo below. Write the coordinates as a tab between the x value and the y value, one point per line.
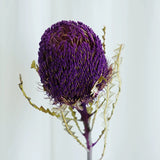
71	60
75	73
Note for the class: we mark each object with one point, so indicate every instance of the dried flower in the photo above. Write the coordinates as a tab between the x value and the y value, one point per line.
71	60
73	70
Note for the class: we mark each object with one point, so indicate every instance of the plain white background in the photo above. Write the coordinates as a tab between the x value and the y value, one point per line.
25	133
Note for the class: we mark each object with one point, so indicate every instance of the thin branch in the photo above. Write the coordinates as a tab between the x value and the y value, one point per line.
75	119
116	69
70	132
99	106
94	118
100	136
105	121
32	104
103	37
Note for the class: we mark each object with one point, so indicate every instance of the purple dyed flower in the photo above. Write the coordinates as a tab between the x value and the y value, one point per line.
71	60
73	69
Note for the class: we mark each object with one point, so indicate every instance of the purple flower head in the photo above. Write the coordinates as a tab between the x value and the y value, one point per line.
71	60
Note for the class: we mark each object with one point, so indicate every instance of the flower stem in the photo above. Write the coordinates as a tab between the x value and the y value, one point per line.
87	135
87	131
89	152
